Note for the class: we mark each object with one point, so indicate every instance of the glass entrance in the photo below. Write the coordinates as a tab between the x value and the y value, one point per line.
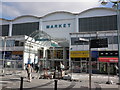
84	66
80	66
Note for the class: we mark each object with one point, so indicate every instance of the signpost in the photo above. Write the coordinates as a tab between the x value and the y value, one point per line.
95	43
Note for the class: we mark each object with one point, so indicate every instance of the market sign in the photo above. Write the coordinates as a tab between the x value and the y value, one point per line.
105	59
79	54
67	25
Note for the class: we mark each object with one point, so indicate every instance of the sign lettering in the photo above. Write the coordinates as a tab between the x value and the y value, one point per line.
58	26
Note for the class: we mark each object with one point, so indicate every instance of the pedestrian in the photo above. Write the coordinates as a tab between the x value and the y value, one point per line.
29	72
37	68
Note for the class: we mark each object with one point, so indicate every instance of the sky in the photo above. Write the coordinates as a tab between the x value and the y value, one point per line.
10	9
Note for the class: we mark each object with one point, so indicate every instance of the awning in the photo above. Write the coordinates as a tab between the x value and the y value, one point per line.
108	59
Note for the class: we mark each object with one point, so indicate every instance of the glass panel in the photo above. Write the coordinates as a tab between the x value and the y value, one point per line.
98	23
5	30
25	28
55	54
10	43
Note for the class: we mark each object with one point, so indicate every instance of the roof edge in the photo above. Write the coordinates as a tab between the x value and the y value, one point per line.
57	12
96	8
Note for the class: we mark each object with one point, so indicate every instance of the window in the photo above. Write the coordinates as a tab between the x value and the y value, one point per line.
98	23
115	39
40	53
16	43
25	28
55	54
5	30
10	43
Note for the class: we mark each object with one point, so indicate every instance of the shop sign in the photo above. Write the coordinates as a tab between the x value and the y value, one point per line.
17	52
108	53
94	54
113	60
99	43
79	54
17	55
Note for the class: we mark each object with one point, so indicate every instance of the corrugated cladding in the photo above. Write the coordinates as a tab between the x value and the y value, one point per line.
4	30
103	23
25	28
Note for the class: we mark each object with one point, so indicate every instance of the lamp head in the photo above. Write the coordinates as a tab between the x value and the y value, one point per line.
114	6
104	2
115	3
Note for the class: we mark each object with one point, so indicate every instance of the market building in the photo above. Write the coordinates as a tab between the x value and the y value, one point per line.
65	29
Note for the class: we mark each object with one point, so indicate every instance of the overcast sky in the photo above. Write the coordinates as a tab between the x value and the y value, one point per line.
11	9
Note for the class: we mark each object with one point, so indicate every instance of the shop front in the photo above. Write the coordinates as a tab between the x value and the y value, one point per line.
54	57
80	61
108	58
12	59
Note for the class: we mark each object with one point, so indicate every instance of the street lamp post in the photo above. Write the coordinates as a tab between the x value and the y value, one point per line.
90	64
4	49
117	5
118	33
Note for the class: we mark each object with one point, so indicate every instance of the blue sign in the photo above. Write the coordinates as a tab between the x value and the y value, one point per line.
94	54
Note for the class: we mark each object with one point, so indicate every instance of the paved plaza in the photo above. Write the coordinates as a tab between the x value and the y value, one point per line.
79	81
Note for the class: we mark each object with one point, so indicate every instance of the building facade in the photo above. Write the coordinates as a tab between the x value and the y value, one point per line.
100	57
67	27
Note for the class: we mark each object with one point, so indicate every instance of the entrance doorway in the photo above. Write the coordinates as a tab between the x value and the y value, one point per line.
80	66
84	66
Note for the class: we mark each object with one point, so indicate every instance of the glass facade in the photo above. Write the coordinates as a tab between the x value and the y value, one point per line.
12	55
103	23
13	64
55	54
111	40
4	29
12	43
25	28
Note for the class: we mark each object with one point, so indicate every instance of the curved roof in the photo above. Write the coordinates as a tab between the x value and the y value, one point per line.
19	17
25	16
97	8
4	19
59	12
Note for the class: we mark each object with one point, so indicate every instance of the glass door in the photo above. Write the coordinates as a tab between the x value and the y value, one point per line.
84	66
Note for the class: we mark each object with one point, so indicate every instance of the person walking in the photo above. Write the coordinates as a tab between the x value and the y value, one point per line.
29	72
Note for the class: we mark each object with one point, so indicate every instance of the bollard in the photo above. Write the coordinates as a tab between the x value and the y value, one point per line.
55	84
21	84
